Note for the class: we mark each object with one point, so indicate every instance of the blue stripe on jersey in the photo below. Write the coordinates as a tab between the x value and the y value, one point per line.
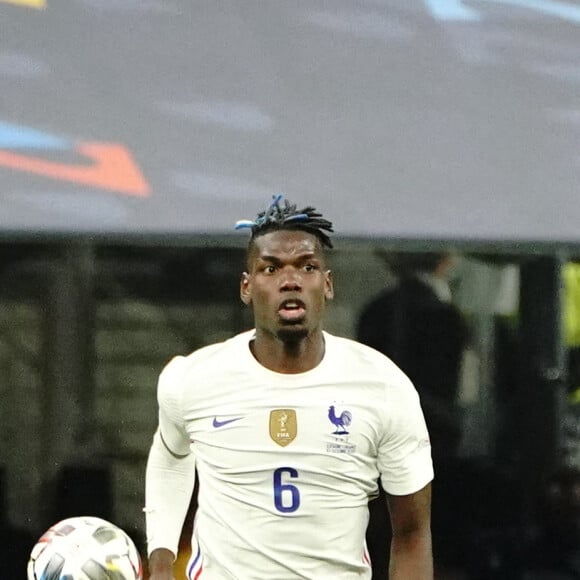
194	568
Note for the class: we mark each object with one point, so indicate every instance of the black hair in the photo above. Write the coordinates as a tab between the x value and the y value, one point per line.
285	216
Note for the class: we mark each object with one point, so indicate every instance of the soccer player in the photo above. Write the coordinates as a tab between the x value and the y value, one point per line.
288	429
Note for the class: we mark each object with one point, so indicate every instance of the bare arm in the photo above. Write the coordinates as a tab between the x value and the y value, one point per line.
411	549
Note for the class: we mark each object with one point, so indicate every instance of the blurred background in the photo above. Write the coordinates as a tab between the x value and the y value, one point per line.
134	133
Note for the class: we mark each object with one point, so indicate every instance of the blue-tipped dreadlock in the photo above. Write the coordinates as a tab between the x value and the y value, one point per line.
285	216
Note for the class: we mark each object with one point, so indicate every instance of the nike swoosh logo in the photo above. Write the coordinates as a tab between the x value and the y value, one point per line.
216	423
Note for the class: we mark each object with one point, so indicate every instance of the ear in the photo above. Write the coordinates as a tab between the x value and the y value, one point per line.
328	285
245	289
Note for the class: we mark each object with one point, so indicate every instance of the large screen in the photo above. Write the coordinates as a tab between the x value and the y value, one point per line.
405	120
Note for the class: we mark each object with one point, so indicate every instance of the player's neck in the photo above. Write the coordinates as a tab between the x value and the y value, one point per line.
288	357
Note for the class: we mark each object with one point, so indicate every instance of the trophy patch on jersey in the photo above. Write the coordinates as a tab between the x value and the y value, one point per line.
283	426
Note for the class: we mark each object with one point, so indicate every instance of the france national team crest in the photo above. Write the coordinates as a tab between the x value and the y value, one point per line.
341	421
283	426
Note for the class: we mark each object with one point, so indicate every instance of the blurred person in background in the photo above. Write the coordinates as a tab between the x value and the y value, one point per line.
415	323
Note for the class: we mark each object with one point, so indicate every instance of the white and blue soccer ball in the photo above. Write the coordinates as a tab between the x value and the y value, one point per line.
85	548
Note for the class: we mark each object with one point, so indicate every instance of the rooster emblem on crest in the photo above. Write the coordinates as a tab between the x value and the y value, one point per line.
341	422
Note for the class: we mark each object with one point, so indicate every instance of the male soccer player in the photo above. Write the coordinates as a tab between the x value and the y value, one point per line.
288	428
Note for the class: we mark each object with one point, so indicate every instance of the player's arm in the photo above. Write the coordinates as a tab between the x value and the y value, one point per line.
169	481
406	469
411	552
169	478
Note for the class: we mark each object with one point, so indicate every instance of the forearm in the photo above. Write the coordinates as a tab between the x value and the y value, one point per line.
411	556
169	484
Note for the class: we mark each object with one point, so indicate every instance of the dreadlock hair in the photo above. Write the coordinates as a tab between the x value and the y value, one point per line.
285	216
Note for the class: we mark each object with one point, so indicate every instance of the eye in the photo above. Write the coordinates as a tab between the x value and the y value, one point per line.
309	267
269	269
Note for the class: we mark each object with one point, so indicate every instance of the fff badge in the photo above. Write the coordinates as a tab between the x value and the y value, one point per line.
283	426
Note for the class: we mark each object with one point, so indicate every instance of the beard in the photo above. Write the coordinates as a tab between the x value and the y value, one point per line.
292	334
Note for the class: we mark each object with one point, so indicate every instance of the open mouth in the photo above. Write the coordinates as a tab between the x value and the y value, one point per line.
292	310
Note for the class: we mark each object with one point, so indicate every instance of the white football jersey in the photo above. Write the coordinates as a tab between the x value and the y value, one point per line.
287	463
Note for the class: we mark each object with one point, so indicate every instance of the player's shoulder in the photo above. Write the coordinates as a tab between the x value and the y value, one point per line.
365	359
205	359
353	349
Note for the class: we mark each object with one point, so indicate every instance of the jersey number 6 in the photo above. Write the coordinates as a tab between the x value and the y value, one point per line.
286	495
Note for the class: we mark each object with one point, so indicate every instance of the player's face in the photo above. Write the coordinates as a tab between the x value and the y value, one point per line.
287	284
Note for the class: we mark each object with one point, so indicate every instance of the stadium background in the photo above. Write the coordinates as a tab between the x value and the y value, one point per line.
134	134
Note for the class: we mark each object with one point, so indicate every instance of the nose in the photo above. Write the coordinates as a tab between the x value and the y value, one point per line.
290	280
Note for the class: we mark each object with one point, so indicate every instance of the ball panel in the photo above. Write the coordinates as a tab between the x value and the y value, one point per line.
54	568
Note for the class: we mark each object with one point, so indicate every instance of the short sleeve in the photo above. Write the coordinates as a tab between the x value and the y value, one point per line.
404	458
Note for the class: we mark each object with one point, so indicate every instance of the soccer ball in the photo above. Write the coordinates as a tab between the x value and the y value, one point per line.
85	548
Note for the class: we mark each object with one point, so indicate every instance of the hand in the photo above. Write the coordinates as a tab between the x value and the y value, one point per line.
162	576
161	565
